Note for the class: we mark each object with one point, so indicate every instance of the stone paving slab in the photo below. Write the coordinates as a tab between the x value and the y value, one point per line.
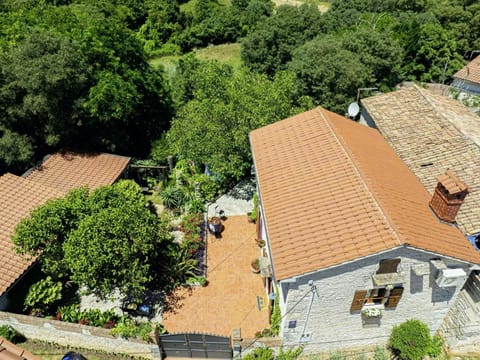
230	299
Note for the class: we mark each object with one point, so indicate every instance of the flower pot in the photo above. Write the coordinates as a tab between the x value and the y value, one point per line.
255	266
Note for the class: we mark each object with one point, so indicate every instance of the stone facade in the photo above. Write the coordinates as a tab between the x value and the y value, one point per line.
78	336
324	317
461	327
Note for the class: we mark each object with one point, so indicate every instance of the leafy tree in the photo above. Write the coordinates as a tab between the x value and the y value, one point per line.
46	229
76	77
39	91
379	52
328	73
433	58
111	249
220	118
106	239
269	46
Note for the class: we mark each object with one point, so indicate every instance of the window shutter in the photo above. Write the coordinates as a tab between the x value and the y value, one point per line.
358	300
394	297
388	266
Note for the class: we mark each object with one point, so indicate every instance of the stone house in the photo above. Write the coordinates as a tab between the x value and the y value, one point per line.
432	133
467	79
53	178
354	242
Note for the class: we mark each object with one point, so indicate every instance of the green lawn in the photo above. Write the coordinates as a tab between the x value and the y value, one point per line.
48	351
226	53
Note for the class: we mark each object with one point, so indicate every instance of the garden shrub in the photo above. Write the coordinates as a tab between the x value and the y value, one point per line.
436	347
380	354
128	328
337	355
43	294
411	340
290	354
10	334
276	317
260	354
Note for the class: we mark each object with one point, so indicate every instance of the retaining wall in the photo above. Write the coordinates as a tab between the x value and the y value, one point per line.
78	336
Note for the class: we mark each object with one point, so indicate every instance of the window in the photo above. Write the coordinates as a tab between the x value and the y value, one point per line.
388	266
378	296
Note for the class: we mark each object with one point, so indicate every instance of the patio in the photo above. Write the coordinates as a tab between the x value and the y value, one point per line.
230	299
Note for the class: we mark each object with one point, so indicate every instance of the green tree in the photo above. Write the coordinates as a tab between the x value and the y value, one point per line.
328	73
268	47
433	58
213	127
76	77
46	229
39	89
378	51
109	238
111	249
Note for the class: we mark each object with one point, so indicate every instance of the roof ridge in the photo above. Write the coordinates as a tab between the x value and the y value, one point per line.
434	106
359	173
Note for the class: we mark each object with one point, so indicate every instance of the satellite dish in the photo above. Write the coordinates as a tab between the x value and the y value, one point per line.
353	110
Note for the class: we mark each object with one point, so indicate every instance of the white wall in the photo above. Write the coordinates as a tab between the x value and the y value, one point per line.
467	86
331	324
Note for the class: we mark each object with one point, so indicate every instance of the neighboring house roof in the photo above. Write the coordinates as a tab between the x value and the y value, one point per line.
19	196
432	133
333	191
9	351
470	72
69	171
53	179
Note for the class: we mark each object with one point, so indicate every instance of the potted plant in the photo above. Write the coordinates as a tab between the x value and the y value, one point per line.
255	265
372	312
261	243
215	224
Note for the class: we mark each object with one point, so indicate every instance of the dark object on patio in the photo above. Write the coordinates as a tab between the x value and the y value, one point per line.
134	308
215	225
72	355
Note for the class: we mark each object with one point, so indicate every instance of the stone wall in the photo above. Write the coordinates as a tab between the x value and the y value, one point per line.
77	336
331	325
461	327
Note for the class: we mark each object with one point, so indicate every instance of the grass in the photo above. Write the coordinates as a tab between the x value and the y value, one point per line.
49	351
225	53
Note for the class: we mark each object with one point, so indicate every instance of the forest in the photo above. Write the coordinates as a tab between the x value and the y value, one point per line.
77	74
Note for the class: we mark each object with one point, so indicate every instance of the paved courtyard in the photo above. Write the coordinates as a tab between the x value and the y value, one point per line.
230	299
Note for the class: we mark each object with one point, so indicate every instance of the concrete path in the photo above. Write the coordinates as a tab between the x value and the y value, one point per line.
238	201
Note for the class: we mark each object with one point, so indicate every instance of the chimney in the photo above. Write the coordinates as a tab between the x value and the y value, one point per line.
448	196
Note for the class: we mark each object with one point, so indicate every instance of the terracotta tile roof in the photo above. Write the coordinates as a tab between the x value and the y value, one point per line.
452	182
334	191
68	171
470	72
53	179
432	133
9	351
19	196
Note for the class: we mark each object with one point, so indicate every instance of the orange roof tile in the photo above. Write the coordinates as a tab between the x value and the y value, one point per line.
53	179
19	196
333	191
432	133
470	72
68	171
9	351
